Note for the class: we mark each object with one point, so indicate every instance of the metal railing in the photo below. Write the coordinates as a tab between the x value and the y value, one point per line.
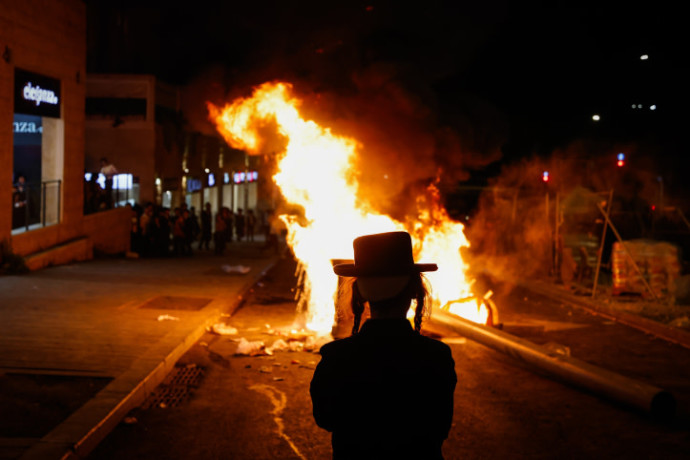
36	205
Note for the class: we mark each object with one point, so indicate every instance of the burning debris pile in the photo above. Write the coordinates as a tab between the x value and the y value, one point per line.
333	211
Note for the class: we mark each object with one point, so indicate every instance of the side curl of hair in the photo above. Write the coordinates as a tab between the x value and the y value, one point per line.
416	289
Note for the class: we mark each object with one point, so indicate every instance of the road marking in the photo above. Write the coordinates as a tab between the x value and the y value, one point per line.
279	401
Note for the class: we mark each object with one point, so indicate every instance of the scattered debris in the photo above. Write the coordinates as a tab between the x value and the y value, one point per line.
278	379
168	318
295	361
236	269
295	345
265	369
279	345
246	347
556	348
223	329
130	420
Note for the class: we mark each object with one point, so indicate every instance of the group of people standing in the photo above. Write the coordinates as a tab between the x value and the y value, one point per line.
155	229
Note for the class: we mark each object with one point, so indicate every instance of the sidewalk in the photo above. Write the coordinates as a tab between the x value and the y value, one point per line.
653	317
99	336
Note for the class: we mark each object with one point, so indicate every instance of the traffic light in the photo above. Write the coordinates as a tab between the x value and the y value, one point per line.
545	176
621	160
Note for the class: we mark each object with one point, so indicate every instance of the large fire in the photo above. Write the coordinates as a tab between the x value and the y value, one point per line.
333	217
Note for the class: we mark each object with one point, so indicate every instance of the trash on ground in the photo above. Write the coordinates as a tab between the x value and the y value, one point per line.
245	347
168	318
223	329
557	348
295	345
278	379
295	361
236	269
130	420
265	369
279	345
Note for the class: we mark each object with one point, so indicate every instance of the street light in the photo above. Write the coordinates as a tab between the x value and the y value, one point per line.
596	117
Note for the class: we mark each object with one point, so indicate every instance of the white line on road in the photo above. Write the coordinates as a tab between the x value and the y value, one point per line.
279	401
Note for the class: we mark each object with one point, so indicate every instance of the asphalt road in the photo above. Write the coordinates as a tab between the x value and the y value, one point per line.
259	408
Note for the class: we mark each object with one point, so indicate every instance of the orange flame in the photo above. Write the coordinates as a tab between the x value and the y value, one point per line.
333	217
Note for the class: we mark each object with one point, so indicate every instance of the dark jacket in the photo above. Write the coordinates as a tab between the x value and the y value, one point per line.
386	392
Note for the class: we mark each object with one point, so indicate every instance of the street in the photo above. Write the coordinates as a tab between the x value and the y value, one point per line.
258	407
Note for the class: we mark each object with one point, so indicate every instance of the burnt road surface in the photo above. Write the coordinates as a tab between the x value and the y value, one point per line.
219	405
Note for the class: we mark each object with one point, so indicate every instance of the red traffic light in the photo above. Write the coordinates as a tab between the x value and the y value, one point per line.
621	163
545	176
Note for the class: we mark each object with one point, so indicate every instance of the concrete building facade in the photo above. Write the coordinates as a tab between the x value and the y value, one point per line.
42	111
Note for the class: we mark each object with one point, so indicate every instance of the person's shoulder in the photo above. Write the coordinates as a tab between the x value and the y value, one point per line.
338	346
433	344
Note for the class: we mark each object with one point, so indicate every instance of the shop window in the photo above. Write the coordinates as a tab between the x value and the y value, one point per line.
38	152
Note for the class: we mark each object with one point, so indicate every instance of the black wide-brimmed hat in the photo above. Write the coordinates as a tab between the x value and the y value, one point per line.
383	254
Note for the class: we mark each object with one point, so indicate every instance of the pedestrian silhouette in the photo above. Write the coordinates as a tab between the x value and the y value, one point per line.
385	392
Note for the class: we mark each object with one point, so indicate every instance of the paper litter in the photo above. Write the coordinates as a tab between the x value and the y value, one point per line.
168	318
223	329
236	269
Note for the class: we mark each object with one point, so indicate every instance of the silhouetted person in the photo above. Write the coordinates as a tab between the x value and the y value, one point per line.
239	225
206	223
109	171
386	392
251	224
20	203
220	235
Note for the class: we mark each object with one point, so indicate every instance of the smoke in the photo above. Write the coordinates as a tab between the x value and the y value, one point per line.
207	86
407	140
512	232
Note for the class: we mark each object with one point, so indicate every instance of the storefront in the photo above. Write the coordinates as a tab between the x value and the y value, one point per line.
42	135
38	151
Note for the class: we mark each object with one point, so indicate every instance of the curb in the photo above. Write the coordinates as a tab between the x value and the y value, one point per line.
655	328
59	442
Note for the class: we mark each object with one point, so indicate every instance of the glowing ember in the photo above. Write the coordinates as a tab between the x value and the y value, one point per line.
333	217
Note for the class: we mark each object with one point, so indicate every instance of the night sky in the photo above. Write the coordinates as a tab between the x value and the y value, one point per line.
544	69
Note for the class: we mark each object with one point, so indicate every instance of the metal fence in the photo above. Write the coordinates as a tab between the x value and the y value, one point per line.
36	205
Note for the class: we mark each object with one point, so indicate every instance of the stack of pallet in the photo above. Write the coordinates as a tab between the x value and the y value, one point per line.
658	263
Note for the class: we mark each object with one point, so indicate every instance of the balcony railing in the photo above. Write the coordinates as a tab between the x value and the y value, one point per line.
99	195
36	205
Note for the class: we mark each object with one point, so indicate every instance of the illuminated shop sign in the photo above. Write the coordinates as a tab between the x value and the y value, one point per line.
36	94
251	176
